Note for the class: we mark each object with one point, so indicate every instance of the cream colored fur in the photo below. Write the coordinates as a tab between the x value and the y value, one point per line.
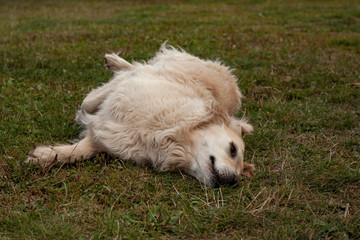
175	112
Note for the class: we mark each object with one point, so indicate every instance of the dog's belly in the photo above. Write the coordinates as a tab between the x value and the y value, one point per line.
133	121
151	101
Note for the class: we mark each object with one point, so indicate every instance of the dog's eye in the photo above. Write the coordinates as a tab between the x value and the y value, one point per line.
212	159
233	150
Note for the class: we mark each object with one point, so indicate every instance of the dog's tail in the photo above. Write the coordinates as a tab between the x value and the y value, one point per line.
47	155
115	63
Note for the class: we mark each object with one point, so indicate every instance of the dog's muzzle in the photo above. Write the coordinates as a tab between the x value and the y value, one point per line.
225	180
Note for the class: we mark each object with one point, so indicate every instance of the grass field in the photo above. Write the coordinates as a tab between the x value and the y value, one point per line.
298	66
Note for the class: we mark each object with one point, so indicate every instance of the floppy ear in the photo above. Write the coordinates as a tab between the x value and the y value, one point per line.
242	126
246	128
248	170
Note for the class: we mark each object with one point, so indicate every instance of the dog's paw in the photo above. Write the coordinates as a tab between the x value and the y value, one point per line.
248	170
43	156
115	63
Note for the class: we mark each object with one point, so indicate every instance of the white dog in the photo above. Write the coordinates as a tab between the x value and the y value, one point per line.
175	112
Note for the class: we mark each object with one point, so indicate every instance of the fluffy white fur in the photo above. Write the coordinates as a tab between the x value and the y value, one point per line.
174	111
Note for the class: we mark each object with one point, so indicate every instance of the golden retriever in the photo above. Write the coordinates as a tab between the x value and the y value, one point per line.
174	111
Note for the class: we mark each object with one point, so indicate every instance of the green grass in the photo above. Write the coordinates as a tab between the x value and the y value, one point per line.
297	64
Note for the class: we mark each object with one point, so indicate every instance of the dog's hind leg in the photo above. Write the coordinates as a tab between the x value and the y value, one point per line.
46	155
93	100
115	63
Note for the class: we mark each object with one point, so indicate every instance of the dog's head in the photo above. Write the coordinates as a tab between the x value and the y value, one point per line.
219	152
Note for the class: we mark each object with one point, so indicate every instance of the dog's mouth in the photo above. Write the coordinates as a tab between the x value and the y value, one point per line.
224	181
223	178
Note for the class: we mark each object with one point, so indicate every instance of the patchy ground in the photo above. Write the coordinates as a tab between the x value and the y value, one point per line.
297	64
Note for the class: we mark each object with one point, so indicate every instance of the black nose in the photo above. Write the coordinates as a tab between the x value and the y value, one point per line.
227	180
